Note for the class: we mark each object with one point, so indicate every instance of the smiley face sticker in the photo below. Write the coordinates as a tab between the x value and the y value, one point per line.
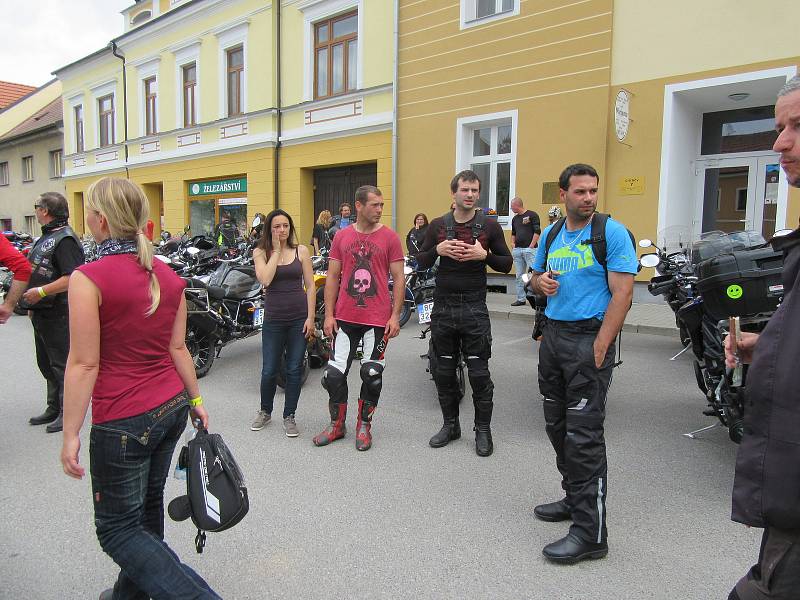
734	291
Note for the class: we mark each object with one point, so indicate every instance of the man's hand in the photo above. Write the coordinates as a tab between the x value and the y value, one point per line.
69	456
747	343
331	328
450	249
199	412
547	284
472	251
600	350
32	296
392	327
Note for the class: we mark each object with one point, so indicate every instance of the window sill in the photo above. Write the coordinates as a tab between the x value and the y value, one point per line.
490	18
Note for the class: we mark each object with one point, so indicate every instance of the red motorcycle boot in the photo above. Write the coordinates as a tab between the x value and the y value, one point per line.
364	426
336	429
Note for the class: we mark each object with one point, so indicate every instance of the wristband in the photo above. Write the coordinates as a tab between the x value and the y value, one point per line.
195	402
42	293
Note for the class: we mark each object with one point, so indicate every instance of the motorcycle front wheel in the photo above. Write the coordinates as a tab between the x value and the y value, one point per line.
202	348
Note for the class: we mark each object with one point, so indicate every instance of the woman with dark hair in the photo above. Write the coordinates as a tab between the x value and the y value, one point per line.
283	267
416	236
128	356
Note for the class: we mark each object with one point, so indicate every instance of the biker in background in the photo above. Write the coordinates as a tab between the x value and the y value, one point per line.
553	214
586	307
320	238
53	259
128	357
525	230
766	487
460	319
283	267
358	306
416	236
226	232
342	220
14	261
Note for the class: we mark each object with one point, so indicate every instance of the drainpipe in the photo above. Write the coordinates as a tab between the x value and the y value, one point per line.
394	113
276	154
115	52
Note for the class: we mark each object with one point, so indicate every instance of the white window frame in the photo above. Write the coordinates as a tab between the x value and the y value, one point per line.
465	127
108	88
318	10
56	164
469	10
145	71
5	175
186	55
228	37
25	160
73	102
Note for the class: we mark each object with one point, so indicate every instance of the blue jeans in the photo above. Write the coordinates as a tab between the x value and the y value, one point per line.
523	258
277	337
129	464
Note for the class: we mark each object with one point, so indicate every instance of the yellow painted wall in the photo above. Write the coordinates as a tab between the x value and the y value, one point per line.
655	39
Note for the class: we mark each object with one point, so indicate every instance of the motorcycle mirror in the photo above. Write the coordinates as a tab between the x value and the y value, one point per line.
649	260
191	251
645	243
256	222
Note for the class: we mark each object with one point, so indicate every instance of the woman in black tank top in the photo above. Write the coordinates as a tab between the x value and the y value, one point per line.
284	269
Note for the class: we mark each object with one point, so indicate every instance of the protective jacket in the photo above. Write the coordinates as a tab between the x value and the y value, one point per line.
44	270
766	488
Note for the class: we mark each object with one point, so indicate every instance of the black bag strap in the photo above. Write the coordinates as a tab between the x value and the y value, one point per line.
551	236
200	541
478	225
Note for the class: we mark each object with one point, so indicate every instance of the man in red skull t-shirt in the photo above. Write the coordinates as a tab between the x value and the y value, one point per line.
358	305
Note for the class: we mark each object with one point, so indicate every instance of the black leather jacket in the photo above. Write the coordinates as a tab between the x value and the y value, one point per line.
766	489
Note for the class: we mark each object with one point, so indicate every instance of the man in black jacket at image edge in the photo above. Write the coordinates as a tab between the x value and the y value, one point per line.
766	488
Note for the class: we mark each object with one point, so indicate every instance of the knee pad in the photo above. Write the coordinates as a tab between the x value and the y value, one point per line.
332	379
372	377
478	370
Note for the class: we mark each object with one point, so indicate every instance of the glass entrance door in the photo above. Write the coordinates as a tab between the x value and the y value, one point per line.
736	194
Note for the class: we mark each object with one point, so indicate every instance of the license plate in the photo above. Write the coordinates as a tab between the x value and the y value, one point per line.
424	312
258	317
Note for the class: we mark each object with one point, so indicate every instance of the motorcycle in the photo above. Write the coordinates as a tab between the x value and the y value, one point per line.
417	283
720	276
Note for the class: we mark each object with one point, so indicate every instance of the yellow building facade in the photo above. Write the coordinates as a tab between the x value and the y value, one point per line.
671	102
237	107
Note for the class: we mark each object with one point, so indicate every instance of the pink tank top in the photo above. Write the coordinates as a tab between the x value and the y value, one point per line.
136	370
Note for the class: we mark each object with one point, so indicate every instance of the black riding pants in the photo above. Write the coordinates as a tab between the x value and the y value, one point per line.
574	392
51	336
460	323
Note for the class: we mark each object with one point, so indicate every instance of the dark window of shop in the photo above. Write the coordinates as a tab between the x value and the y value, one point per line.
334	186
6	224
150	91
335	55
235	80
741	130
79	128
105	107
190	95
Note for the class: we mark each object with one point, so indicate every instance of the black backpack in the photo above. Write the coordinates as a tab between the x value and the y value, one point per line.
478	225
597	238
216	496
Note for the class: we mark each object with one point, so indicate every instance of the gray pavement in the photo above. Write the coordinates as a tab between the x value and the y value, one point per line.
402	520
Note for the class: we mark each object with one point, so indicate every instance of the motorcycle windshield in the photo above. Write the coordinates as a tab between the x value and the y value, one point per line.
675	239
716	243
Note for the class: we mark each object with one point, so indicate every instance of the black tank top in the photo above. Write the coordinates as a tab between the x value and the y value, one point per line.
285	298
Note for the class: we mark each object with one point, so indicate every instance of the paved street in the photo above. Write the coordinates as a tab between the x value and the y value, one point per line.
402	520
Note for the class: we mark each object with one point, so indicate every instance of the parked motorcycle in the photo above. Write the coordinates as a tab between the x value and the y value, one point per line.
718	277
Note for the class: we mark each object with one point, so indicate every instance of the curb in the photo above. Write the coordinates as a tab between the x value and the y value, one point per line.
627	328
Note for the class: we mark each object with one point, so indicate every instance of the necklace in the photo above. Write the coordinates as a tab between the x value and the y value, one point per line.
571	245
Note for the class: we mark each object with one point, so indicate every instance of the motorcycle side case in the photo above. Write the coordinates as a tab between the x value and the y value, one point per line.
741	283
240	283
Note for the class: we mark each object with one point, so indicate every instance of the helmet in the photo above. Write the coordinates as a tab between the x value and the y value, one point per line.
554	212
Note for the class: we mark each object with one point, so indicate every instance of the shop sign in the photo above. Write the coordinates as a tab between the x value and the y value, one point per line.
220	186
631	186
622	117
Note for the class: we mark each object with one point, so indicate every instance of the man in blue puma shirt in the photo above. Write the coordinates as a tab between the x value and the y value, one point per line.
586	306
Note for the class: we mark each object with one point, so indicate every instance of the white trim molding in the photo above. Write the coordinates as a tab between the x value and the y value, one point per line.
186	54
356	125
146	70
469	10
72	102
99	91
317	10
229	36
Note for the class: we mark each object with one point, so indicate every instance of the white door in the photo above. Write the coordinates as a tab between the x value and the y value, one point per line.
740	193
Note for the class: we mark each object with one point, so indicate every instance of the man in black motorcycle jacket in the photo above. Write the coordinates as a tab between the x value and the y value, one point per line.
766	488
53	258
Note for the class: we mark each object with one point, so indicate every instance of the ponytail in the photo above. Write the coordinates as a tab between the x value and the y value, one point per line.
144	254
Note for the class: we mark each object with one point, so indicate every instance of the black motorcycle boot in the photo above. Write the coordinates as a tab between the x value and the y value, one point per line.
50	413
553	512
56	425
483	431
451	430
572	549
